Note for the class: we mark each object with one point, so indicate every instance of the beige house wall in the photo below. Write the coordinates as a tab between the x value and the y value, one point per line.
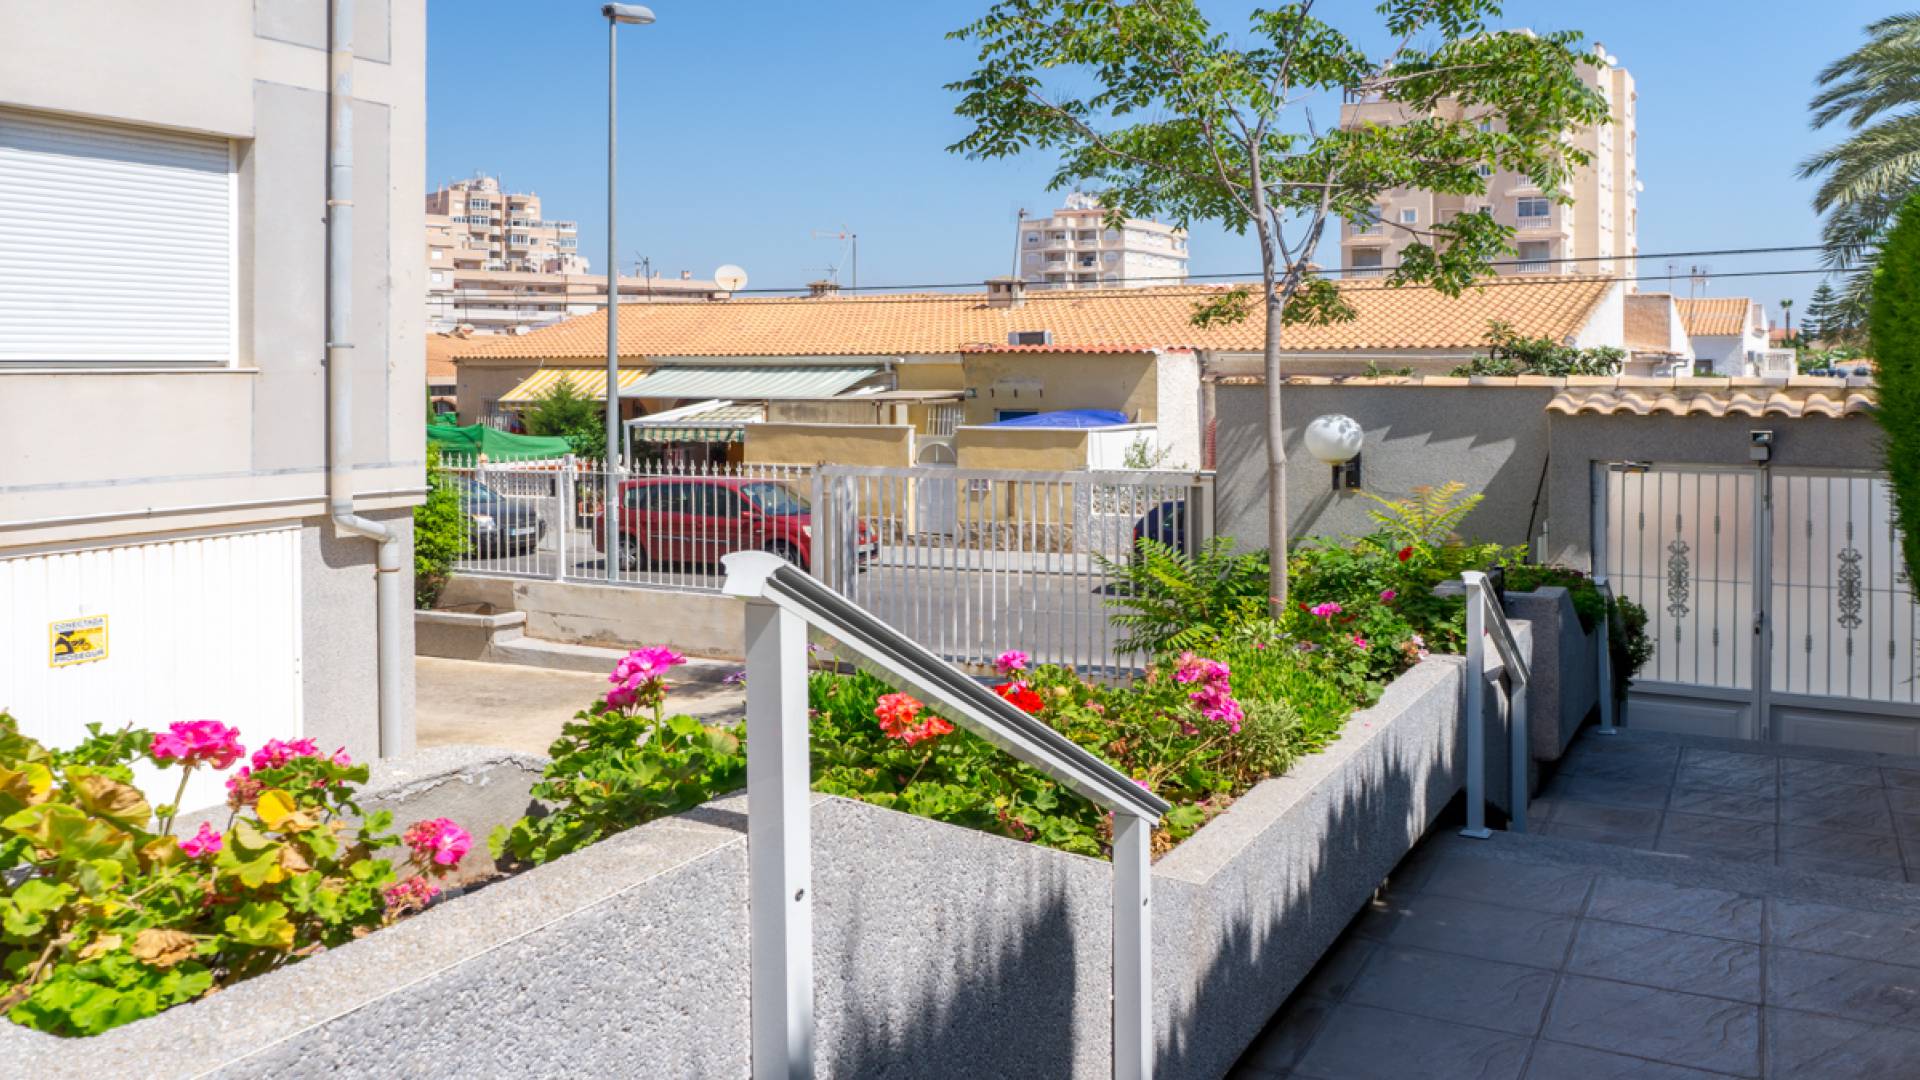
1053	381
832	444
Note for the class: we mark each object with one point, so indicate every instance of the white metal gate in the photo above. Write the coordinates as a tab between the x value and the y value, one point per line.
974	562
1776	600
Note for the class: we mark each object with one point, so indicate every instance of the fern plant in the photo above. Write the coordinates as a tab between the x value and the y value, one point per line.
1430	516
1170	600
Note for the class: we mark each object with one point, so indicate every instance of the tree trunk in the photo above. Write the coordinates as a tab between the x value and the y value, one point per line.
1271	307
1276	457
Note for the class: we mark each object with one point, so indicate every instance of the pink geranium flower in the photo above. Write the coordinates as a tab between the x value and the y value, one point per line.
1359	642
1387	595
1011	662
197	742
438	840
1326	610
639	677
413	894
205	842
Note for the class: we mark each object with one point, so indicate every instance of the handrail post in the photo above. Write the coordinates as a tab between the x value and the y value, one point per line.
1600	554
779	844
1607	702
1520	753
1132	947
1476	713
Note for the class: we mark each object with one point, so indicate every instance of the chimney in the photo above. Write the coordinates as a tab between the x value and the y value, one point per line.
1006	292
817	289
686	275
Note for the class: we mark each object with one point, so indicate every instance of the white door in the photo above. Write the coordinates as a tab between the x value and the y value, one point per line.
199	628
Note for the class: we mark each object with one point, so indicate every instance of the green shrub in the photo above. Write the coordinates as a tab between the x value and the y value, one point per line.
613	769
1509	353
439	533
568	414
1895	330
1168	599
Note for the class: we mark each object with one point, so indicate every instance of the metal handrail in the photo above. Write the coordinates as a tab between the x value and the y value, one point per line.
781	601
1486	619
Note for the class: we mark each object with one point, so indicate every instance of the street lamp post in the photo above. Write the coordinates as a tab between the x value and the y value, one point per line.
632	15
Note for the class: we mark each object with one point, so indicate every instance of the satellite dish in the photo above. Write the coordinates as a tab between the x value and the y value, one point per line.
730	277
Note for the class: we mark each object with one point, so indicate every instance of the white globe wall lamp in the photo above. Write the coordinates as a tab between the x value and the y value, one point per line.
1335	440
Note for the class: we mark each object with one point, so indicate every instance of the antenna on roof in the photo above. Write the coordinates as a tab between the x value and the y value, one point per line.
849	238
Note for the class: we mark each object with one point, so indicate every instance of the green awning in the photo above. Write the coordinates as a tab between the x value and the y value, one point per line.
747	383
466	443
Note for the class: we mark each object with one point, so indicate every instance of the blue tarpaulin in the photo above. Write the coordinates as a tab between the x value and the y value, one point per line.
1068	418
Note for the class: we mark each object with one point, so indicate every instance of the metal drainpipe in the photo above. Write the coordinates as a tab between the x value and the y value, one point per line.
390	593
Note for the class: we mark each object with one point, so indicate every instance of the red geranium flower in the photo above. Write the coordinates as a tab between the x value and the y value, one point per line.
1021	696
1406	553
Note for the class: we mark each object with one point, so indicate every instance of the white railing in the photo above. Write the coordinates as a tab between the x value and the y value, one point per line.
969	560
1486	619
781	603
678	520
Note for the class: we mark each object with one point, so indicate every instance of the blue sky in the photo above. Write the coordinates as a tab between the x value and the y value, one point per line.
746	126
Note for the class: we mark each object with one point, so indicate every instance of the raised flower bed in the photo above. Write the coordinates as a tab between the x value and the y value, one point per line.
932	939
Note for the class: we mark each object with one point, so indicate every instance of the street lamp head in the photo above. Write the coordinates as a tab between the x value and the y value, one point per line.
631	14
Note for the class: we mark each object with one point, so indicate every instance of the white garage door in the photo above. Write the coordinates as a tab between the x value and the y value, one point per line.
201	628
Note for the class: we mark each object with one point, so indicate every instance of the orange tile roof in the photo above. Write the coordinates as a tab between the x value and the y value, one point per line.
1719	316
1413	319
441	350
1754	402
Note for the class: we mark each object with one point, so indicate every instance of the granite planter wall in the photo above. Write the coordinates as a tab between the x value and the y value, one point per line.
939	951
1565	668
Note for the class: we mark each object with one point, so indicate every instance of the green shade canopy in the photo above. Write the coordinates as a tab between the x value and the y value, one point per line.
476	439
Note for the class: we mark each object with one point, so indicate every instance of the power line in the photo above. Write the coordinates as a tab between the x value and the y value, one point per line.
1119	293
1340	273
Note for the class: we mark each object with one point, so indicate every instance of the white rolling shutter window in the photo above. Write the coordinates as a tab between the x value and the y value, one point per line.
116	243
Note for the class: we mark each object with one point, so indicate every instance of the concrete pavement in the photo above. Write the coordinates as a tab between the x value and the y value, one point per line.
523	708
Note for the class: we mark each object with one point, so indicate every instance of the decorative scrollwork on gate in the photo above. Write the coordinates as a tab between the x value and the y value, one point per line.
1849	576
1679	578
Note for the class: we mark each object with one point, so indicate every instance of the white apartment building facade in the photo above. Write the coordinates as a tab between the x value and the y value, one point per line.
495	265
1075	249
171	464
490	229
1590	226
515	301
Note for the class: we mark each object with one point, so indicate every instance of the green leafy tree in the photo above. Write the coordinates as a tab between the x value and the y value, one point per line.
1896	352
439	533
568	414
1150	106
1872	92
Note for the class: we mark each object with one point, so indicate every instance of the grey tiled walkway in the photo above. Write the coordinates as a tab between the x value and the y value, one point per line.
1667	950
1848	816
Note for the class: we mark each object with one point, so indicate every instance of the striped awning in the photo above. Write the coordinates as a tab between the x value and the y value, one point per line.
587	382
749	383
711	421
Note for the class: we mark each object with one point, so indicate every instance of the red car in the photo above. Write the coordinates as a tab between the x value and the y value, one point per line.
694	521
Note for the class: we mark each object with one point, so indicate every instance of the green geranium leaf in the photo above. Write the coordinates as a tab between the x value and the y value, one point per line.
262	925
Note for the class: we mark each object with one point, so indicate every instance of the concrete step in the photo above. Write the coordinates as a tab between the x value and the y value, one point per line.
562	656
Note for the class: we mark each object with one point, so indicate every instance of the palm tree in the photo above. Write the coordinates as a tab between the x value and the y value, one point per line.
1865	178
